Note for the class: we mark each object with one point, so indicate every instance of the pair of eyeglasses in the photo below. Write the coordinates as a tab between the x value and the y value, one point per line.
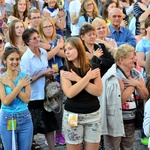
34	18
46	27
1	41
116	16
35	38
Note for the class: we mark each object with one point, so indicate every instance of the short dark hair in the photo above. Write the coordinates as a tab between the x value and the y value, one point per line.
27	34
85	29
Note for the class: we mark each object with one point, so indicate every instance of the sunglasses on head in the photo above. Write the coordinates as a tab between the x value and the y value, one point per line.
1	41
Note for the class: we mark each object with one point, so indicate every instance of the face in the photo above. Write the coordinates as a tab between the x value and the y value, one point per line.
35	19
19	29
89	6
101	30
71	53
89	37
112	5
48	28
116	17
51	3
128	62
12	62
21	5
34	40
142	29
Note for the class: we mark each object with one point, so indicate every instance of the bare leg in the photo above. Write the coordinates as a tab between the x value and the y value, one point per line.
91	146
73	146
50	140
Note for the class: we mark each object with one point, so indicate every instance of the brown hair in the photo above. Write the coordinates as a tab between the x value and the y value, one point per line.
12	29
82	58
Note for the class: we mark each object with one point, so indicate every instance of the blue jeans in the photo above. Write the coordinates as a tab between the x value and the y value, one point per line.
23	132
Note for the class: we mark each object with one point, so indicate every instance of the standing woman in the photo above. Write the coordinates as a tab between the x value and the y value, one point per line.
81	83
96	52
49	37
102	31
15	31
14	95
88	12
34	62
51	9
19	11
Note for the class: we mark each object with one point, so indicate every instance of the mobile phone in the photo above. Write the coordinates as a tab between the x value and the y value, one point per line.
1	22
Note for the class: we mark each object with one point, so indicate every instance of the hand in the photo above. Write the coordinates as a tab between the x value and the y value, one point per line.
61	13
46	14
49	72
23	82
6	80
92	74
45	46
89	55
98	53
72	76
60	43
124	23
4	14
131	82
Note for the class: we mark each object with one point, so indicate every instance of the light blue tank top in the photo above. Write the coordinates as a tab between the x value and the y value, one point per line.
17	105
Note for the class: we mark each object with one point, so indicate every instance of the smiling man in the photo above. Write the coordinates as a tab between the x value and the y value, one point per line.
120	34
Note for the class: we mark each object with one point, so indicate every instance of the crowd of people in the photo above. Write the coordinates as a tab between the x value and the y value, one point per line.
98	50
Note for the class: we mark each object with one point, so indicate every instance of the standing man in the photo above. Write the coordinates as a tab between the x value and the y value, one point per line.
120	34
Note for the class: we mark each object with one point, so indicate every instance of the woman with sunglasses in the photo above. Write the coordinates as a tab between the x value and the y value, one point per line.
81	83
35	63
50	39
88	12
15	121
15	31
96	52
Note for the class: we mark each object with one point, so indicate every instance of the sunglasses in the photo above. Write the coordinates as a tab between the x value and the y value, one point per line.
1	41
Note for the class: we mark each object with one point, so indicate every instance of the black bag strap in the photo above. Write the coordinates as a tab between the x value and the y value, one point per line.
127	78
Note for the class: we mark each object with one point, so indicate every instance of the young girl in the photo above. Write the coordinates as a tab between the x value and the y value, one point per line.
15	94
81	83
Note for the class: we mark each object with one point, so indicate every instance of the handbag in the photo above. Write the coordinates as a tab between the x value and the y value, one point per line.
139	114
52	100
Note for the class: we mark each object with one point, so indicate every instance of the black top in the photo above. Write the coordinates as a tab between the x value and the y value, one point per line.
83	102
105	61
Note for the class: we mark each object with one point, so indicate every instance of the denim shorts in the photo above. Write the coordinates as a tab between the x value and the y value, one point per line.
23	132
88	128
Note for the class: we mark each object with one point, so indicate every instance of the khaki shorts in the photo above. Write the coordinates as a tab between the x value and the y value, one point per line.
88	128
